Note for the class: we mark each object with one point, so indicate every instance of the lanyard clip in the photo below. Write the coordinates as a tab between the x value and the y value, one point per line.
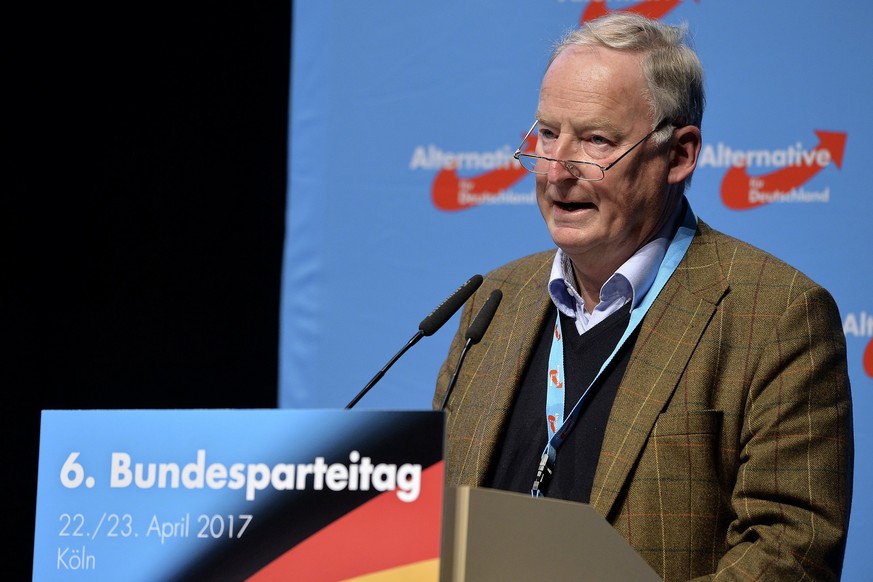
544	473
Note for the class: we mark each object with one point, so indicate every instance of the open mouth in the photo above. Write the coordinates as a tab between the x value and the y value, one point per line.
571	206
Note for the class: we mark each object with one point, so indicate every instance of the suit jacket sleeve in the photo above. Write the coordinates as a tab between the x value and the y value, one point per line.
793	485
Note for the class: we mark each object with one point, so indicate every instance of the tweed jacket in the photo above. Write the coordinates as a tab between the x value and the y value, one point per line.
729	448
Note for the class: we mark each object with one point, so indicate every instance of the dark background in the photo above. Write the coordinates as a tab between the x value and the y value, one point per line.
143	212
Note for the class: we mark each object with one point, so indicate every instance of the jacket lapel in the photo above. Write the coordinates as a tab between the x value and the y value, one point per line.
496	368
668	336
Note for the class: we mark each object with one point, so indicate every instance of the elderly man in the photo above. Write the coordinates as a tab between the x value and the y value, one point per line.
692	388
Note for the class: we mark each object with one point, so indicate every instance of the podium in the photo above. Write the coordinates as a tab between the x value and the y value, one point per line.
267	495
499	535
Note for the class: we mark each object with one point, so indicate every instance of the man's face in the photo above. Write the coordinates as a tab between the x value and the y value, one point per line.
593	107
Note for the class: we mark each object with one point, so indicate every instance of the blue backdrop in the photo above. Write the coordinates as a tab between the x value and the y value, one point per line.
404	117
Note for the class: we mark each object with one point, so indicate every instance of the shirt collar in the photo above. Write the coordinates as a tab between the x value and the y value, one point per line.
630	282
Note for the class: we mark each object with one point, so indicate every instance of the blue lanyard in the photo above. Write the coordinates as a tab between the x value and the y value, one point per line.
558	427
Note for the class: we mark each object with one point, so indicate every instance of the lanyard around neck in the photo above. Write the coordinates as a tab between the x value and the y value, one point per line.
557	426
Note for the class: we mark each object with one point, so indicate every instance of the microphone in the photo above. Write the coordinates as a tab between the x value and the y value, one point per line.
445	310
428	326
474	335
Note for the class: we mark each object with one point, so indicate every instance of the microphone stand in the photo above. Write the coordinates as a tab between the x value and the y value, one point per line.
380	373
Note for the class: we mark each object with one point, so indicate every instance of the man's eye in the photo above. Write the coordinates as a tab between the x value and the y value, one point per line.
547	134
598	140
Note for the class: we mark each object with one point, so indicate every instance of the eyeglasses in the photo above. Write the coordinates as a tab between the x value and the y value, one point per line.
585	171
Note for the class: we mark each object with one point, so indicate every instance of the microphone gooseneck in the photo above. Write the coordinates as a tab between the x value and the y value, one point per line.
428	326
474	335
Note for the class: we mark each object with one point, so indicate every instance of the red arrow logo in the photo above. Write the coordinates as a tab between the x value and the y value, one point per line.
652	8
553	375
868	359
552	421
450	192
737	183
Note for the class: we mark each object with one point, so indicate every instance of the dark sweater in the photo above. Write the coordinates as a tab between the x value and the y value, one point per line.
521	447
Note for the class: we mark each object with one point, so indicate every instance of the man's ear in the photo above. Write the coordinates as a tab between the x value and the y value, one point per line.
684	151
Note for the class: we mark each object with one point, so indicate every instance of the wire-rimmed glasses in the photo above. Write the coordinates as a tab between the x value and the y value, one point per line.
586	171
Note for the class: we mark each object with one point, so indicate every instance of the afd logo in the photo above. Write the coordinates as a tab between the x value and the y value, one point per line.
485	177
861	325
868	359
777	175
468	179
650	8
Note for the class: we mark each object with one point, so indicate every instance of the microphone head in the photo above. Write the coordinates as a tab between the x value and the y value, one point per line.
483	319
445	310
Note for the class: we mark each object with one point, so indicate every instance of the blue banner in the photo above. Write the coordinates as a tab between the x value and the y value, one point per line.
404	118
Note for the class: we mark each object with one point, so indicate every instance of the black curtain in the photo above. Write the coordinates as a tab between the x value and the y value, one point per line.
143	213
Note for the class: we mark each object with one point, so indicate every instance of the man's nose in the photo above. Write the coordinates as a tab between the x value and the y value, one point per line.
561	170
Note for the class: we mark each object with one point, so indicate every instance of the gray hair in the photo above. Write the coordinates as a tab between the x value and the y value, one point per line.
671	68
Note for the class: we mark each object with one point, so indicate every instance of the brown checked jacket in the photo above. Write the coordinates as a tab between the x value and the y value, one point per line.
729	449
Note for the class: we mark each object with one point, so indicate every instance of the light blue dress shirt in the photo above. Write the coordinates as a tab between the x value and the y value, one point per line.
630	282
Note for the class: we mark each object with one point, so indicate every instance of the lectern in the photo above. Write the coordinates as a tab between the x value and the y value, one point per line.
498	535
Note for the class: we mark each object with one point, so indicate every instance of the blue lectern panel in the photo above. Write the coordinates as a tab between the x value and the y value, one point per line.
237	494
